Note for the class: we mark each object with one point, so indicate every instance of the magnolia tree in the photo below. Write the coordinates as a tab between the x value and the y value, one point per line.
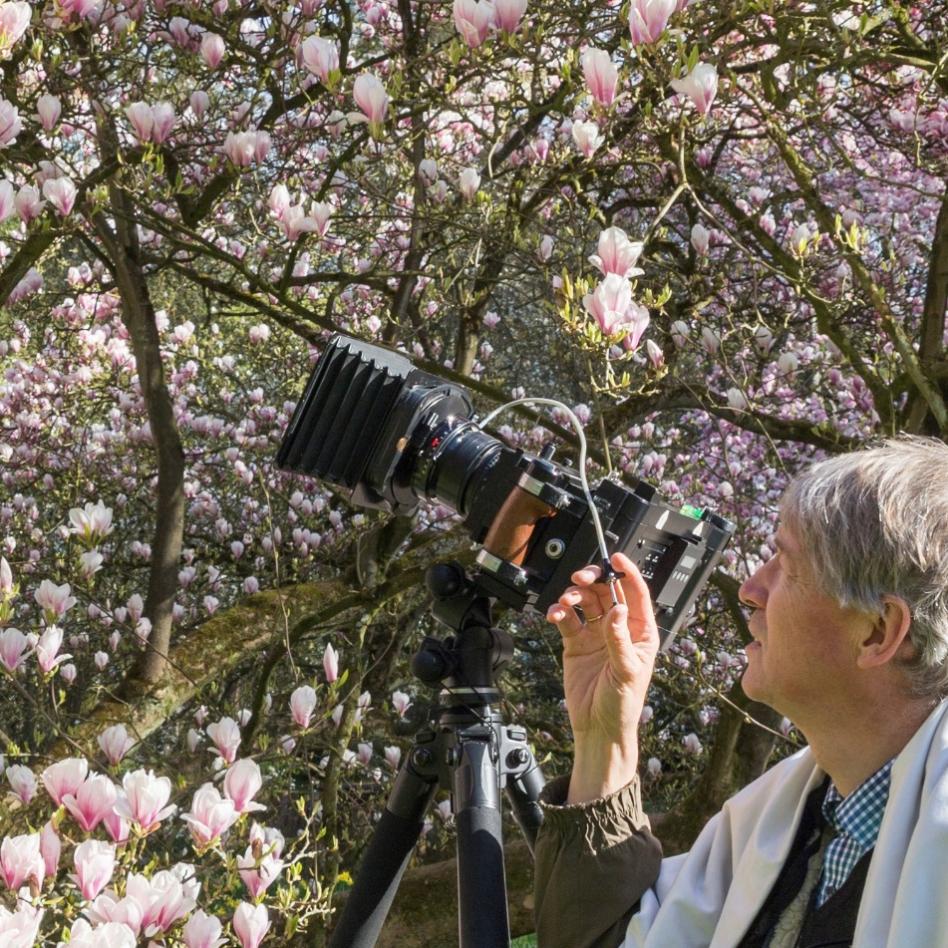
718	232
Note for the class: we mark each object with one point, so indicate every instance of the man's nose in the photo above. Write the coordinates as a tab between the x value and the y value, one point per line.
753	591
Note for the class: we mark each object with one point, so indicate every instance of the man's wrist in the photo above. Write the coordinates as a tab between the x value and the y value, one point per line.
600	770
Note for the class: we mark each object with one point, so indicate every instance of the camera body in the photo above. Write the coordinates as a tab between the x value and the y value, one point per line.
388	435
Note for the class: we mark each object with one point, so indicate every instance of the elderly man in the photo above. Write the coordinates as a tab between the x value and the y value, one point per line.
845	842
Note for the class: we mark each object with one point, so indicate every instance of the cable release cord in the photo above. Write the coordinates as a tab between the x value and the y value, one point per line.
608	573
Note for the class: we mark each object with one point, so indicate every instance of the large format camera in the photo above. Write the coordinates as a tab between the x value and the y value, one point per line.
388	435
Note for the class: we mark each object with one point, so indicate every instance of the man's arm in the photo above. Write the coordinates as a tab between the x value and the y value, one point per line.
595	855
593	862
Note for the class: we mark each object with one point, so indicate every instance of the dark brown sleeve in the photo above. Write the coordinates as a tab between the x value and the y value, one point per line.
593	862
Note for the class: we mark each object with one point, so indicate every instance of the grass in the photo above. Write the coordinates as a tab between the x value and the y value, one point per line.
526	941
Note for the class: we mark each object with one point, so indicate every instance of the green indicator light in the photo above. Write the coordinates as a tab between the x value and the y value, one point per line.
694	512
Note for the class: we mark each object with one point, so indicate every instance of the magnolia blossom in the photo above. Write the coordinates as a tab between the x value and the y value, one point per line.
710	340
468	183
587	137
261	863
163	119
28	203
61	193
92	801
115	743
48	110
47	649
251	923
700	85
788	363
601	75
6	574
393	756
142	120
50	848
655	354
22	782
648	19
320	56
65	777
90	563
372	99
302	704
400	703
20	860
68	673
106	908
680	333
508	14
203	931
609	303
14	20
10	123
109	935
143	799
700	239
210	815
101	659
242	783
54	600
226	737
95	862
212	49
617	254
13	644
199	101
654	767
472	19
166	897
331	663
691	744
245	148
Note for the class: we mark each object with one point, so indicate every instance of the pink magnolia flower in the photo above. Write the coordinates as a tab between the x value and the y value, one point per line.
331	664
210	816
302	704
609	303
21	928
320	56
279	201
13	644
165	898
50	848
116	826
22	782
54	600
199	102
242	783
61	193
472	19
637	322
648	19
700	239
47	649
212	49
6	574
226	737
105	908
468	183
28	203
251	923
14	20
587	137
142	120
163	119
258	874
401	702
601	75
655	354
91	522
109	935
65	777
393	756
101	659
244	148
617	254
143	799
21	860
372	99
95	862
80	9
48	110
202	931
320	214
508	14
700	85
92	802
10	123
115	743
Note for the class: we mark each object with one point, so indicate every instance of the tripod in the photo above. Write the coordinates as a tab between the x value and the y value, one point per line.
468	750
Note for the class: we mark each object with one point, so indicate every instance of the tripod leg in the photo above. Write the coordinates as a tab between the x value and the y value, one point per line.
524	792
385	860
482	889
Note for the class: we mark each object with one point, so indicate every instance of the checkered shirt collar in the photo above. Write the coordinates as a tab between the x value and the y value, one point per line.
859	815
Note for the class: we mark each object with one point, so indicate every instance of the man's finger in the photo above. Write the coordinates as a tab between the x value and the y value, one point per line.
565	620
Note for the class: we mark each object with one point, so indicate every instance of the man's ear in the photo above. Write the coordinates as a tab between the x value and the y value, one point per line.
888	636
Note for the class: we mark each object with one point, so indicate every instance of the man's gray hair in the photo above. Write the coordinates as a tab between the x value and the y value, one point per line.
875	522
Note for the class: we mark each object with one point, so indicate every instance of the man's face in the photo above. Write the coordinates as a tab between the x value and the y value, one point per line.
803	656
